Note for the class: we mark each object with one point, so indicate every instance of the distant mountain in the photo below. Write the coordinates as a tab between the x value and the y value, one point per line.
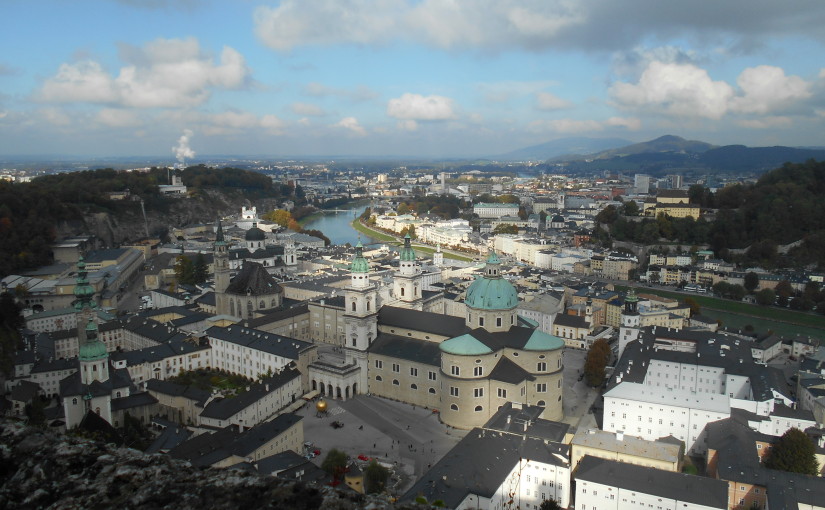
569	147
669	153
666	143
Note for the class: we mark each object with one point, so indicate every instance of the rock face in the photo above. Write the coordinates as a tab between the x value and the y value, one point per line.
40	469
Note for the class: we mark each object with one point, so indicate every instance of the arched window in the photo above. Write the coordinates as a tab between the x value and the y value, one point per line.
231	307
379	378
431	390
540	403
368	305
353	305
413	386
249	309
454	407
261	305
478	409
395	382
402	291
97	410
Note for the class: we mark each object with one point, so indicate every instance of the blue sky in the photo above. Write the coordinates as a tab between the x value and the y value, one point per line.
428	78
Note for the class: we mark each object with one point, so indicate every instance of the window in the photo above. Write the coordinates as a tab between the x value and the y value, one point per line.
502	393
478	409
481	321
541	367
478	392
413	371
541	387
454	370
431	375
453	407
431	390
498	322
74	401
395	382
379	364
379	378
453	391
478	371
413	386
353	309
396	367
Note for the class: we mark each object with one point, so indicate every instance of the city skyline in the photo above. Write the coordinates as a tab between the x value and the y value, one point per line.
428	78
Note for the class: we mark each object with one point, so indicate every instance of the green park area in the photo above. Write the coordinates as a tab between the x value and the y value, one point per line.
737	314
209	380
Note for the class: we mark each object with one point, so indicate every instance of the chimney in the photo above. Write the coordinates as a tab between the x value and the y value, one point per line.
619	435
508	419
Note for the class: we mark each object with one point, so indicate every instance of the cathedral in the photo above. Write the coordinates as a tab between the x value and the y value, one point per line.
465	368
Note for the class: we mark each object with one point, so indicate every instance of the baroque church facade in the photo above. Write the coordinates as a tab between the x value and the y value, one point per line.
465	368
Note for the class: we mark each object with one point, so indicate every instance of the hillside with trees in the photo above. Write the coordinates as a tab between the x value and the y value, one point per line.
32	214
784	206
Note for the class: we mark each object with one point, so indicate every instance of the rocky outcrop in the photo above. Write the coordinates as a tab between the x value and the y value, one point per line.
41	469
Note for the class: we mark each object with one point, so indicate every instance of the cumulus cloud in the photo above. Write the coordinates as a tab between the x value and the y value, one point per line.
676	89
351	123
549	102
767	88
117	117
574	126
530	24
165	73
766	123
418	107
307	109
685	90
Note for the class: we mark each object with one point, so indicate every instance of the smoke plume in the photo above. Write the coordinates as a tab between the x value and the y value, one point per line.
182	150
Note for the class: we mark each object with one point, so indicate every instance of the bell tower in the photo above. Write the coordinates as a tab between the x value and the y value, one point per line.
407	280
360	315
631	322
221	264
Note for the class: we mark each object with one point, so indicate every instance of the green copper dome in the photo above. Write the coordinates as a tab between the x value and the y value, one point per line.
541	341
83	291
407	253
464	345
359	263
491	292
92	349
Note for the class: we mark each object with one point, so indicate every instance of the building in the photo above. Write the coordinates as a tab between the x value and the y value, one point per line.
495	210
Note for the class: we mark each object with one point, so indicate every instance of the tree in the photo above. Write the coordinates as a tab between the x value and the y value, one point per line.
375	477
784	290
793	452
608	215
200	270
766	297
695	309
403	208
184	270
279	216
549	504
630	208
596	361
35	412
335	463
505	228
751	281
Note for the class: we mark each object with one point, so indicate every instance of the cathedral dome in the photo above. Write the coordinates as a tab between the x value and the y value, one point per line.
407	253
255	234
491	292
359	263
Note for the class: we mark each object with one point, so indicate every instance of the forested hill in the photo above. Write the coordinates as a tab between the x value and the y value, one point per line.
784	206
30	213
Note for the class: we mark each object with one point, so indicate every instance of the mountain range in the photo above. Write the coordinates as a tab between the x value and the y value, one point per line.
666	154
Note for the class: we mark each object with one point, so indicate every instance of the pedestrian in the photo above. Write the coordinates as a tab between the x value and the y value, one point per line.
373	445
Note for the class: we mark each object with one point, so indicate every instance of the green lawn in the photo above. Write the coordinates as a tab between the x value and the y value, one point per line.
770	316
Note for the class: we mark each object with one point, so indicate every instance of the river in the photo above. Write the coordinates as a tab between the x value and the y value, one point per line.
337	226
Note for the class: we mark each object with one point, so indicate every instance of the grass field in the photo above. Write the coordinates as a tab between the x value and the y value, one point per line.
763	318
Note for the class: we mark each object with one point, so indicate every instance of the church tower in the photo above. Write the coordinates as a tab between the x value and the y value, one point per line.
631	322
491	300
407	280
360	315
438	257
221	263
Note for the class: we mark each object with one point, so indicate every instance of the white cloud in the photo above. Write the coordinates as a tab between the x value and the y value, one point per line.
307	109
408	125
574	126
631	123
55	116
531	24
167	73
766	89
351	123
418	107
117	117
766	123
272	124
548	101
358	94
675	89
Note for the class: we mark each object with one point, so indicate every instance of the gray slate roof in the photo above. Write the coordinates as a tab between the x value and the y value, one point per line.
411	349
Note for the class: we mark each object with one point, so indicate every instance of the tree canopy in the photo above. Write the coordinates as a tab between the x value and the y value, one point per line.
375	477
594	364
335	463
793	452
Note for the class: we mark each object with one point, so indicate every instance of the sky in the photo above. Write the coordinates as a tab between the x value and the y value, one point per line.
412	78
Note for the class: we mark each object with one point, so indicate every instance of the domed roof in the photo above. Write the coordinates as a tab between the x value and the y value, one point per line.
557	219
255	234
464	345
92	349
359	263
541	341
407	253
491	292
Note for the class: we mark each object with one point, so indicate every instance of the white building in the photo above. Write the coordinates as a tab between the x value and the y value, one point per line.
495	210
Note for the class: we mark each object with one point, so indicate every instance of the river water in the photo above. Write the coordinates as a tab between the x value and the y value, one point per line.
337	226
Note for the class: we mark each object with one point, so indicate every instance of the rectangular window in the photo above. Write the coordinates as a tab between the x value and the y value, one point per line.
478	392
454	370
396	367
431	375
379	364
541	367
502	393
413	371
541	388
478	371
453	391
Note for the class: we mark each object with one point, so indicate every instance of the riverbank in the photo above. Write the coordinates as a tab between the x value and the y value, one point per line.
381	236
